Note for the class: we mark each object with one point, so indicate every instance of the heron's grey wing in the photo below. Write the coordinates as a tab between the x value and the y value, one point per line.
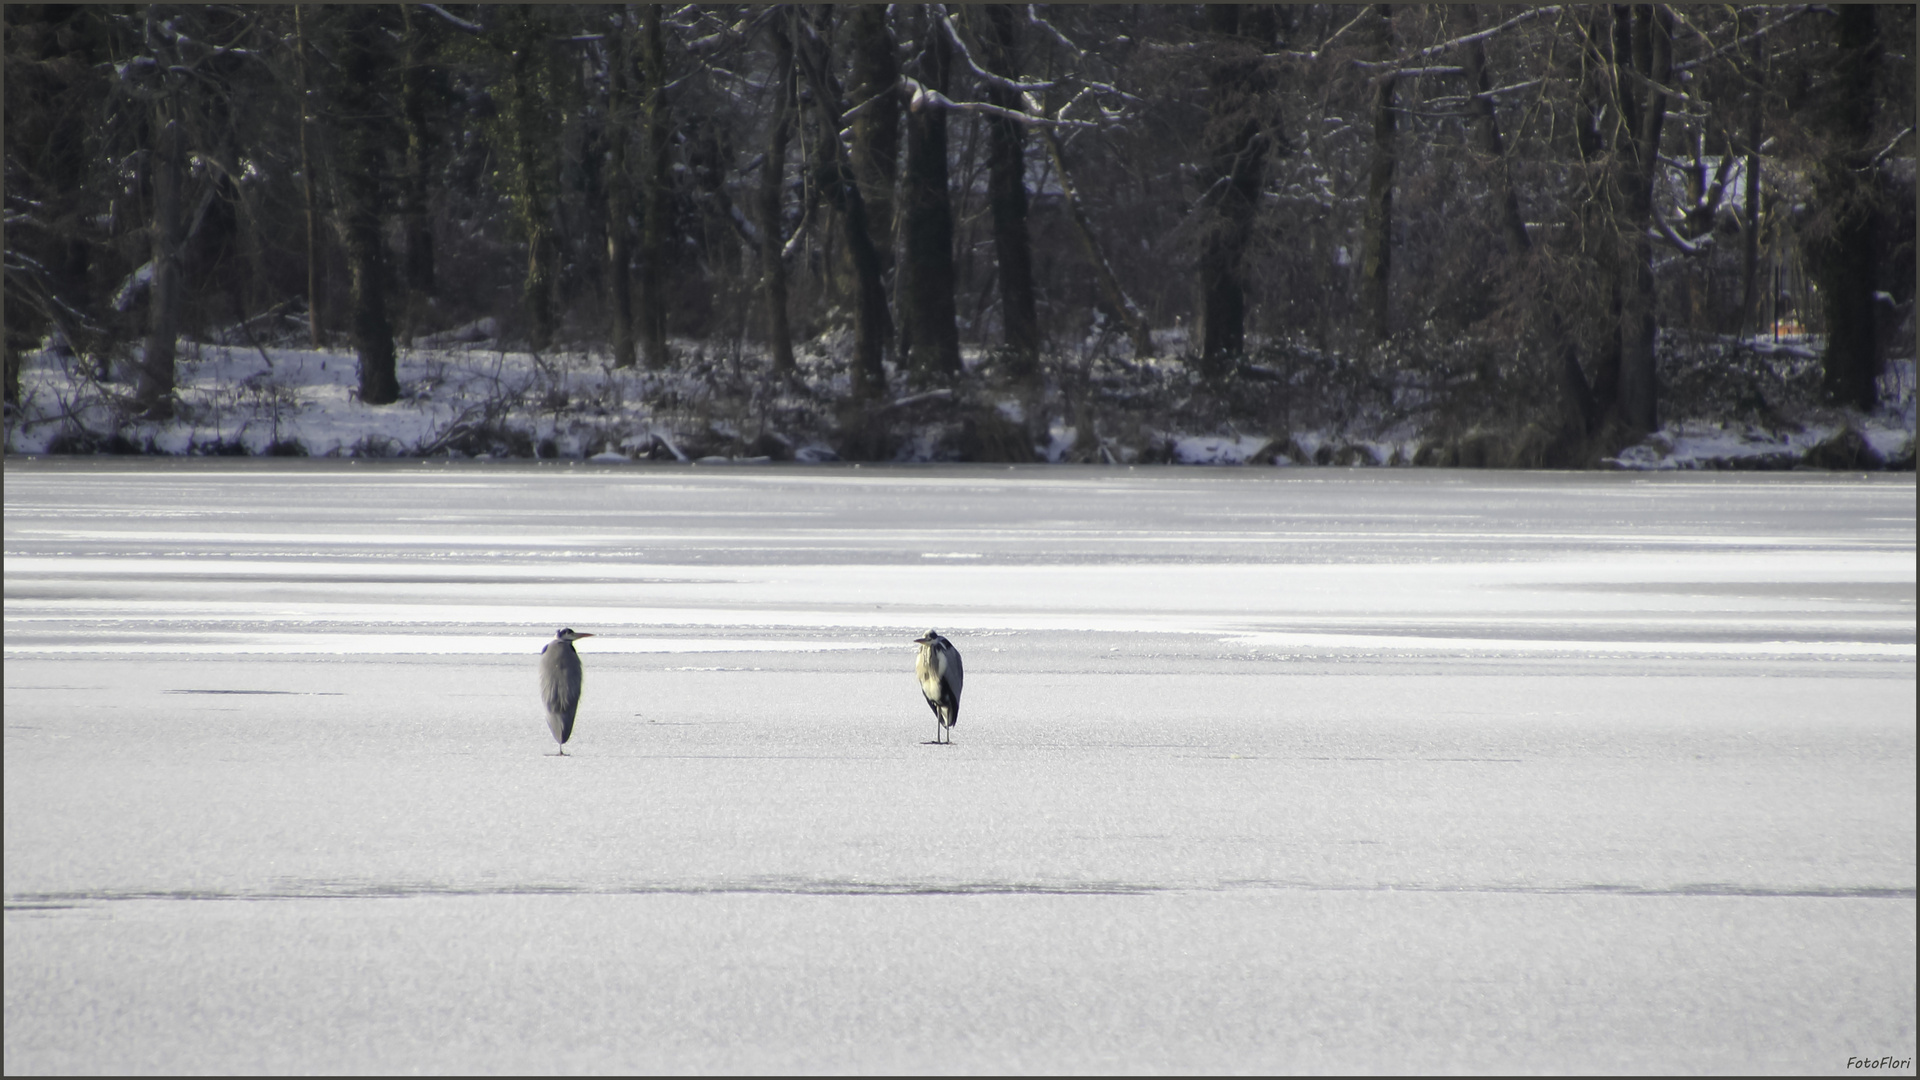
955	674
560	680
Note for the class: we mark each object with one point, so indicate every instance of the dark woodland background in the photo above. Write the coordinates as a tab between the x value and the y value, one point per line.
1548	229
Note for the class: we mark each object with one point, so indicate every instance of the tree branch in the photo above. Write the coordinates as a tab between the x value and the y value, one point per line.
924	98
1687	247
458	22
946	21
1433	50
1732	45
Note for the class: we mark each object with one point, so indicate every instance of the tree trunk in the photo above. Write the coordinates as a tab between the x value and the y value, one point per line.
316	283
154	389
1007	195
1750	236
842	189
1513	225
1844	252
935	333
876	130
1112	297
1235	166
360	185
619	197
773	176
1577	411
1376	247
413	110
531	126
1644	45
654	192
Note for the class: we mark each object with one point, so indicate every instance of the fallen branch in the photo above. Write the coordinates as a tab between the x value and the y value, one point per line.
942	394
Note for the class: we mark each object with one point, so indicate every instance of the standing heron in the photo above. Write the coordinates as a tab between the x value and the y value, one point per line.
560	684
940	678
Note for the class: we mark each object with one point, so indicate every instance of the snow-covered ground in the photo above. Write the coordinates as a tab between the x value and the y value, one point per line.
1257	770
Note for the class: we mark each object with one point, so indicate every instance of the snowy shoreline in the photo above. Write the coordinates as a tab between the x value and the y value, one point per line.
471	400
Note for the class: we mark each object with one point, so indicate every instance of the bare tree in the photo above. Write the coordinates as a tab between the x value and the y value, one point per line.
1007	191
840	186
1640	59
1845	242
1376	242
654	189
773	176
309	185
154	390
619	187
1238	139
875	80
928	322
421	35
360	122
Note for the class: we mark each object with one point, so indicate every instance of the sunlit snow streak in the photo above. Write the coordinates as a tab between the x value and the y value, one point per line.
364	644
343	558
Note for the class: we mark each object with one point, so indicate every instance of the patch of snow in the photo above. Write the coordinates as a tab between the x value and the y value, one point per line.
1708	445
133	288
1216	450
1060	439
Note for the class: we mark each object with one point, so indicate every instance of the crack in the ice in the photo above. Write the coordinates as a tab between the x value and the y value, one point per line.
53	901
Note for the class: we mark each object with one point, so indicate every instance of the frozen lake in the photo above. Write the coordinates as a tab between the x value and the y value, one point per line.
1257	770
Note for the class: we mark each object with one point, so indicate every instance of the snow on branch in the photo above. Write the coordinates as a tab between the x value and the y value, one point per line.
1783	20
1033	16
728	36
1904	132
1687	247
1468	39
1509	89
942	394
924	98
945	18
457	21
1333	37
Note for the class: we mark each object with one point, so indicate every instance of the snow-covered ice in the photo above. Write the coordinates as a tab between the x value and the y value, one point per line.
1261	770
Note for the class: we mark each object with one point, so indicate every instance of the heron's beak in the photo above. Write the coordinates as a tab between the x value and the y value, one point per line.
577	637
921	640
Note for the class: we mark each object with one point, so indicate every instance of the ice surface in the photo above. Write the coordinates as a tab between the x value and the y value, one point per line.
1256	771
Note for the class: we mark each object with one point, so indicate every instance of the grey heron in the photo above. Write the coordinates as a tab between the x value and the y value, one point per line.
940	679
560	684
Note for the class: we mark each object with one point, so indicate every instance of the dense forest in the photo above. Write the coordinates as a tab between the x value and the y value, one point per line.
1534	234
